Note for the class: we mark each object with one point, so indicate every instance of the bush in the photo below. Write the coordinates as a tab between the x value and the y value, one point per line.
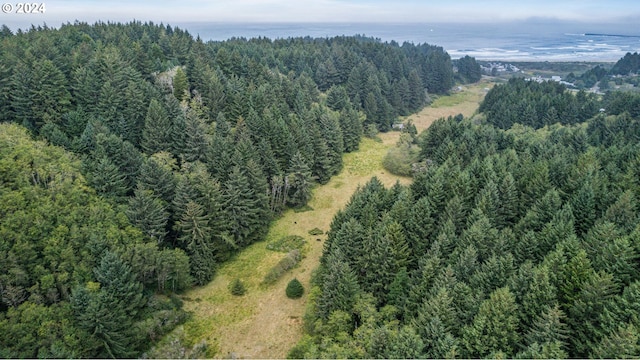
316	231
371	131
237	288
287	263
294	289
398	160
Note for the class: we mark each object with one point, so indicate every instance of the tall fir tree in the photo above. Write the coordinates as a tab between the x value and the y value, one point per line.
180	85
148	213
299	180
494	328
195	235
157	133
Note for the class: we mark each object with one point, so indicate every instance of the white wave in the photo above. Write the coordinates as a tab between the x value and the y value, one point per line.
492	54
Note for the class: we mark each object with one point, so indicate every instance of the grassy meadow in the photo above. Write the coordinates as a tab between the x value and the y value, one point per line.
264	323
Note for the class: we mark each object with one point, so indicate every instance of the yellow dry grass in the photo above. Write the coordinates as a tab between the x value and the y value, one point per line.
464	102
264	323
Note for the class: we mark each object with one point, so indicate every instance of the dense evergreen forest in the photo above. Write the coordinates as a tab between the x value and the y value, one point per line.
624	70
519	238
135	158
629	64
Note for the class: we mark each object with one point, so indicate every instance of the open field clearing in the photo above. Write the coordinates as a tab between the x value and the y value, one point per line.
264	323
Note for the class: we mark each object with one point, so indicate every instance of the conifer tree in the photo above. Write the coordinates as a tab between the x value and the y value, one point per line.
399	247
584	208
332	133
351	128
195	236
419	228
122	153
377	266
156	174
508	195
294	289
548	328
110	105
176	112
494	328
180	85
627	308
22	102
105	311
116	278
620	344
439	304
421	282
339	287
185	191
337	98
134	111
398	289
5	90
239	206
623	212
157	133
86	85
106	178
537	296
322	166
106	325
219	154
195	138
299	180
237	288
49	93
148	213
594	297
416	91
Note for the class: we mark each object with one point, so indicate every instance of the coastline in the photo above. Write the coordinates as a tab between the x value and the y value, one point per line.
499	41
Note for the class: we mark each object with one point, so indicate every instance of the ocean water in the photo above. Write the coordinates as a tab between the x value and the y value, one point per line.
526	41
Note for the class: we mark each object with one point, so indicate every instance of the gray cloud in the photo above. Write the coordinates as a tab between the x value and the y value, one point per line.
330	11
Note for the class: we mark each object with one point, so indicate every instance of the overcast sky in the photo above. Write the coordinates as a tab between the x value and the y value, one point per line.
172	11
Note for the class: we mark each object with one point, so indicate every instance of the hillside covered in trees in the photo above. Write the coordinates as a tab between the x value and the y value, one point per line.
518	238
136	158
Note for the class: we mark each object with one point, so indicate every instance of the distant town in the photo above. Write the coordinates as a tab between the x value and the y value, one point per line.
575	76
495	68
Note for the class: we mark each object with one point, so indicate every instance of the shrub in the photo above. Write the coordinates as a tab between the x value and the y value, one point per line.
287	263
294	289
398	160
237	288
316	231
371	131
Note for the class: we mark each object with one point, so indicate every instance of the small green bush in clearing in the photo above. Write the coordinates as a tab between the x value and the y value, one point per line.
294	289
237	288
316	231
